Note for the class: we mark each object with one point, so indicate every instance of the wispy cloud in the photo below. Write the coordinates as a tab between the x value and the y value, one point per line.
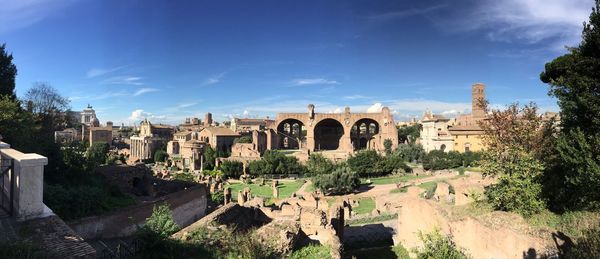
526	21
388	16
214	79
145	90
18	14
140	114
356	97
313	81
95	72
124	80
181	106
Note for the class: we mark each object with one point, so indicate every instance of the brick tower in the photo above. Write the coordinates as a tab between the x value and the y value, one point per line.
477	95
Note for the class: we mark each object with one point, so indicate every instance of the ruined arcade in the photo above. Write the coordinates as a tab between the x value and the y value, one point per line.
342	132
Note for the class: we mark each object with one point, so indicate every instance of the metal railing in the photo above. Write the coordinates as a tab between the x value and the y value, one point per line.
7	185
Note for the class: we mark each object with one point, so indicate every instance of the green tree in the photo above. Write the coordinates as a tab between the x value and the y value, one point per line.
410	152
274	162
341	181
210	156
8	72
243	139
16	126
515	138
364	162
574	80
317	164
160	156
409	134
231	169
387	145
97	154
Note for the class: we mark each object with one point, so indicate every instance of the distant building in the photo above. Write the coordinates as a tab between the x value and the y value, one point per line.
247	125
66	135
150	138
434	133
88	115
466	131
218	138
191	124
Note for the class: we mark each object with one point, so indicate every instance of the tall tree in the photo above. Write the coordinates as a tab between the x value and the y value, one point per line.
8	72
574	80
49	107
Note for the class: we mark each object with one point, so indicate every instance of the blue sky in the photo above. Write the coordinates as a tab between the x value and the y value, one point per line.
167	60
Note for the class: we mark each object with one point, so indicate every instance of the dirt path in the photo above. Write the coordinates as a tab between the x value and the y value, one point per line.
302	189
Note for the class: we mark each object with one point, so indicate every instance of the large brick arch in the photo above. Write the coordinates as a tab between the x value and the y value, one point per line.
386	128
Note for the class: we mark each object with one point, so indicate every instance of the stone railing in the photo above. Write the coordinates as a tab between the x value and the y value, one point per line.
27	178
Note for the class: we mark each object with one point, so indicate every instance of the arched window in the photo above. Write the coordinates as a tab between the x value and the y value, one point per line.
372	128
443	147
363	128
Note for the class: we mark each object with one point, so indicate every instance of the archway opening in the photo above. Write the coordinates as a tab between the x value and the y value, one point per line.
363	131
292	134
328	133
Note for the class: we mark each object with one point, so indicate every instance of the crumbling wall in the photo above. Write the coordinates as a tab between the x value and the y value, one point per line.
478	238
187	206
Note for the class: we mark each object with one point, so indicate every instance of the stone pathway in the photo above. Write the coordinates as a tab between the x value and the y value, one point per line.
302	191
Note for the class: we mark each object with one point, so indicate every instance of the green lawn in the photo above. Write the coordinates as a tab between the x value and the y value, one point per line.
392	179
365	205
286	188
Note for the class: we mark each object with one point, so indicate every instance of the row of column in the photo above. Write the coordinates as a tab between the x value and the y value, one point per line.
140	148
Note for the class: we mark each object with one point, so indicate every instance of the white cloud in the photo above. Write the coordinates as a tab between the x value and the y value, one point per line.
313	81
145	90
356	97
404	13
376	107
214	79
95	72
139	114
246	113
18	14
124	80
528	21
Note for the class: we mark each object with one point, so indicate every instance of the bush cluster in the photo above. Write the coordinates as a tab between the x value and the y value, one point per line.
368	163
439	160
341	181
274	162
231	169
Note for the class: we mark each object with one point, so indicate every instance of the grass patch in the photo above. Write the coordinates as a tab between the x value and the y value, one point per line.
365	205
571	223
371	220
265	191
473	209
392	179
311	252
399	190
429	189
310	188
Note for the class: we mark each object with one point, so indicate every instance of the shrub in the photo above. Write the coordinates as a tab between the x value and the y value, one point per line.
243	139
410	152
97	153
160	156
521	195
341	181
317	164
390	164
587	246
161	221
364	162
387	145
274	162
435	246
231	169
217	197
311	252
435	160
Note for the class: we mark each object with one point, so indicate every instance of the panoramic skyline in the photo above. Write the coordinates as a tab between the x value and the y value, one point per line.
168	61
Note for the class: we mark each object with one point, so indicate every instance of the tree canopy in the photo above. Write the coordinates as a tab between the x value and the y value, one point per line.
8	72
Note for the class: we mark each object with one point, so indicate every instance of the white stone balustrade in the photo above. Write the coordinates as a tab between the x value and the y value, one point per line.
29	182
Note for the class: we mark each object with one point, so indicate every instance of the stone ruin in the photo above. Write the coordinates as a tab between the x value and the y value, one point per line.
285	226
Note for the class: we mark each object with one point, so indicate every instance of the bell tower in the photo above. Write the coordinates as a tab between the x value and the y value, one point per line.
478	94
